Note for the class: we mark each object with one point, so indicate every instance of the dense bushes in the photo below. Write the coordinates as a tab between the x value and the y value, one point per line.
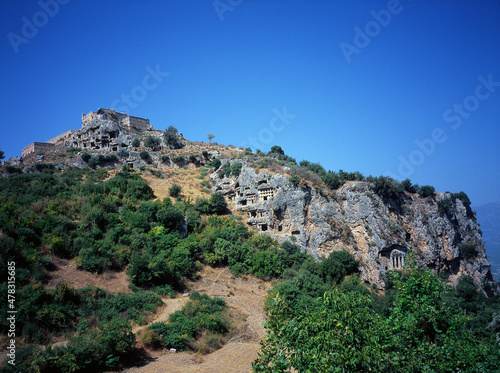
202	317
421	328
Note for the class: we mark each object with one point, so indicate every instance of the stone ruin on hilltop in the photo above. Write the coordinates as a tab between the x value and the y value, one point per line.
105	129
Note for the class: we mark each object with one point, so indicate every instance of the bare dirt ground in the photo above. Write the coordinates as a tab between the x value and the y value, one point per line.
115	282
245	298
187	178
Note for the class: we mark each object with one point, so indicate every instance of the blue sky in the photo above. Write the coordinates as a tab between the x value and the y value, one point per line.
401	88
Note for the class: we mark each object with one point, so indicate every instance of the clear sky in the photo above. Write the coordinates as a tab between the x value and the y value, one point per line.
400	88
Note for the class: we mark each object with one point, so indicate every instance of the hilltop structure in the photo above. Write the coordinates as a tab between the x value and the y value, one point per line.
101	129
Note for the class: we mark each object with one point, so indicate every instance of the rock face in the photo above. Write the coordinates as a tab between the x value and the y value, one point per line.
108	130
377	231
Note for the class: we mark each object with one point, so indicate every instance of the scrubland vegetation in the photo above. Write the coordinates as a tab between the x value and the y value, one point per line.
321	317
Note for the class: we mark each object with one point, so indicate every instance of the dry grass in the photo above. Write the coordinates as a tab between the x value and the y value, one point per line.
245	308
115	282
187	178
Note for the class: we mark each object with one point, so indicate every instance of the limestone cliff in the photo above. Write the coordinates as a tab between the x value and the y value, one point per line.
377	231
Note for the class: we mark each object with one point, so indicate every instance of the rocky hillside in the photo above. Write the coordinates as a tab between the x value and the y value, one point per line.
379	231
291	202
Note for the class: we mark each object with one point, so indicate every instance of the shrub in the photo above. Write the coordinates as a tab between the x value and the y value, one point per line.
123	153
171	138
216	163
136	142
444	205
218	203
276	150
192	158
175	190
86	157
152	142
407	186
178	158
144	155
338	265
236	168
426	191
468	251
462	196
294	180
386	187
165	158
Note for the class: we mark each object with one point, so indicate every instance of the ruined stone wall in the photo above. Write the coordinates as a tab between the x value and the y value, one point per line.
36	147
136	122
60	138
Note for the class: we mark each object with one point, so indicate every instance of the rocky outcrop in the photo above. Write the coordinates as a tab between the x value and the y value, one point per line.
377	231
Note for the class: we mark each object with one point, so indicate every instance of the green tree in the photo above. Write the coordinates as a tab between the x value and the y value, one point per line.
210	136
276	150
236	168
86	157
218	203
152	142
175	190
171	138
144	155
216	163
2	154
136	142
341	335
426	335
427	190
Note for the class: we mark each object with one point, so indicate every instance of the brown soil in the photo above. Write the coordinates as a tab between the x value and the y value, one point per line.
245	298
187	178
115	282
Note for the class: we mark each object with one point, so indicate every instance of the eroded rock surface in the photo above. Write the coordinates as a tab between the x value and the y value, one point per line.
378	231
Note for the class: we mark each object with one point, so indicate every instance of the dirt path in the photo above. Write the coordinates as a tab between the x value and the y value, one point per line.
245	297
169	307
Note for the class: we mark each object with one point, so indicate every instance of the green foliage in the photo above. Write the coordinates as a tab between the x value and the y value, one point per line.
294	180
2	154
407	186
427	191
86	157
144	155
462	196
171	138
236	168
216	163
210	136
338	265
468	251
444	205
276	150
178	158
175	190
152	142
386	187
218	203
200	315
336	335
136	142
340	331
